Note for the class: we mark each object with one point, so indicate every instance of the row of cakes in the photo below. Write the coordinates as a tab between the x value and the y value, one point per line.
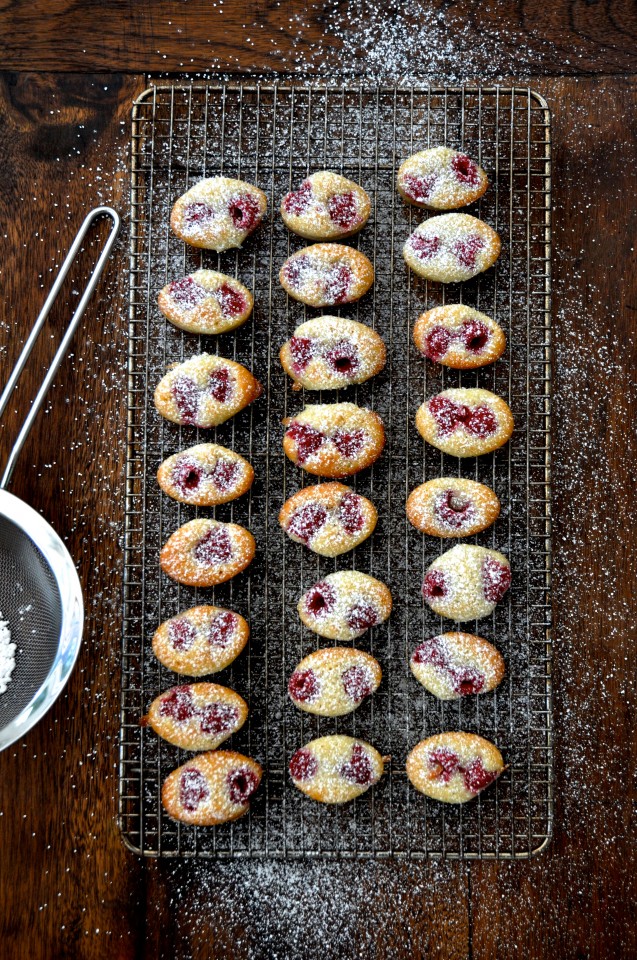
323	354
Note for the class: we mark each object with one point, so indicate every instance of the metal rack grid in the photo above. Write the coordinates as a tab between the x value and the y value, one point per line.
273	136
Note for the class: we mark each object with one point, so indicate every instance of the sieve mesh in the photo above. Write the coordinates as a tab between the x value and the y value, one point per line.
30	602
274	136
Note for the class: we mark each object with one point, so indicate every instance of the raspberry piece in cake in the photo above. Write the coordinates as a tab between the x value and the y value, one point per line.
465	169
349	443
307	439
214	548
242	783
434	585
475	335
245	212
343	358
426	247
222	629
178	704
444	763
187	293
350	513
497	579
232	301
361	616
193	789
437	343
304	686
303	765
307	521
358	768
182	633
342	210
467	249
301	349
297	202
186	395
217	718
199	214
320	599
419	189
357	683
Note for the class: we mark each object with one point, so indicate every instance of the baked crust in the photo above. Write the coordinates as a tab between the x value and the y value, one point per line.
344	605
467	582
205	475
204	552
451	248
334	439
459	337
328	518
465	421
326	275
206	302
452	507
329	353
440	179
326	206
201	640
432	769
332	768
334	681
205	390
197	716
211	788
455	665
218	213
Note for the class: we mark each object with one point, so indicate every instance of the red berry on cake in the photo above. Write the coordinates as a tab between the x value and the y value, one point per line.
452	507
454	767
336	769
327	353
451	248
218	213
329	518
466	582
211	788
456	665
200	640
205	390
441	179
327	275
334	681
334	439
203	553
206	302
326	206
205	475
198	716
465	421
344	605
459	337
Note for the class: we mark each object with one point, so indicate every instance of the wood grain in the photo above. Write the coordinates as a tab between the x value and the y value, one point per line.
525	36
67	885
68	888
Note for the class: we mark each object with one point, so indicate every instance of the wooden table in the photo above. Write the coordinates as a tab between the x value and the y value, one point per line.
68	888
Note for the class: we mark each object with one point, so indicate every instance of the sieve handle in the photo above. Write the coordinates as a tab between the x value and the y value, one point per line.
70	330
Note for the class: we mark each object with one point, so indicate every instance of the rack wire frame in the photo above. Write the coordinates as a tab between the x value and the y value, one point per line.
274	136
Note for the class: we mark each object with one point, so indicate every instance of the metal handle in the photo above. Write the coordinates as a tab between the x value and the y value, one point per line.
70	330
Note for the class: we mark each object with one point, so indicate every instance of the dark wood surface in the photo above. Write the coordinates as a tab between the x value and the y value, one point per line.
566	36
68	887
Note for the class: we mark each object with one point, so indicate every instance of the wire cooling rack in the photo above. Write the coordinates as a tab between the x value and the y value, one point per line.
274	136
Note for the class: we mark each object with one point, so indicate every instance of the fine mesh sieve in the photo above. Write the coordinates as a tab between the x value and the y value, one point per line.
40	592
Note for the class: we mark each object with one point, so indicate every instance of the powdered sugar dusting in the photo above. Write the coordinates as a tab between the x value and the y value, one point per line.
7	655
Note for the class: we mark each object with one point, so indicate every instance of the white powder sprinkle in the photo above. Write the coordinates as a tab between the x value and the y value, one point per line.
7	655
